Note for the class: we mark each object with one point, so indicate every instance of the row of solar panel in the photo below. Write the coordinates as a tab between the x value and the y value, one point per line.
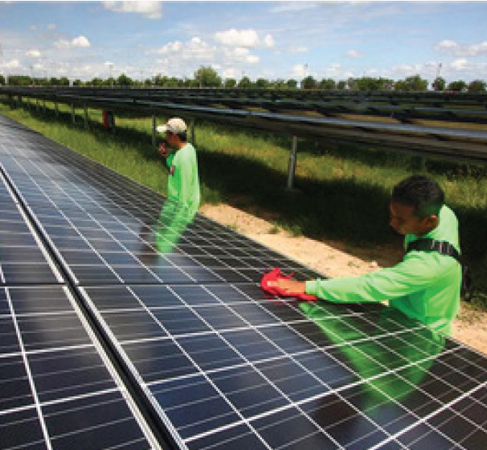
218	365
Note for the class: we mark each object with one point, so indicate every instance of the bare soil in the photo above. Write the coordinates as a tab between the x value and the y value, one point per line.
334	259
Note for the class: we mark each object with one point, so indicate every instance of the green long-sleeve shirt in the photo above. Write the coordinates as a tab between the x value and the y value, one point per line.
183	181
424	286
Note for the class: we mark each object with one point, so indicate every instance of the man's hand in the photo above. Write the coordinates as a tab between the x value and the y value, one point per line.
292	287
163	151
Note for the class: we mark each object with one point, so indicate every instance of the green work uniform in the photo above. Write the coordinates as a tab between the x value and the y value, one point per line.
424	286
183	182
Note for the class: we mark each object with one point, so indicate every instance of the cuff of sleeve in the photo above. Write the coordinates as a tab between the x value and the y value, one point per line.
311	287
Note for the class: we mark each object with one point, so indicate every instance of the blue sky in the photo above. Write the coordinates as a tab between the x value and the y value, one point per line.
273	40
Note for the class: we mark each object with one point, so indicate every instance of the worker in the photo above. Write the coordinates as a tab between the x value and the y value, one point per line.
425	285
183	184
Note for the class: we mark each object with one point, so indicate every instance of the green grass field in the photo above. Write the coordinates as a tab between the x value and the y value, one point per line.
342	191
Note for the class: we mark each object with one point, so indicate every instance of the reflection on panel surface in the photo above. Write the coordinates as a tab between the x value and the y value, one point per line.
55	390
222	365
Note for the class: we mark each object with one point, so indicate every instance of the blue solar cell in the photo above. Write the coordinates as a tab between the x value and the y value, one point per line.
213	361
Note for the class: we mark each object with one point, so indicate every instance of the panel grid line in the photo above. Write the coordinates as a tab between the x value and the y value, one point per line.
219	363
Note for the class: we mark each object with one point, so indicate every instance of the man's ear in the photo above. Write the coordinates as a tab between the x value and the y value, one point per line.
431	221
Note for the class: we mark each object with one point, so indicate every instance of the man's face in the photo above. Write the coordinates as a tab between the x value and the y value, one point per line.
405	221
170	138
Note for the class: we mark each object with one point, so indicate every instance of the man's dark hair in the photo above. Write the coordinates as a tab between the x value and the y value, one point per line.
183	136
422	193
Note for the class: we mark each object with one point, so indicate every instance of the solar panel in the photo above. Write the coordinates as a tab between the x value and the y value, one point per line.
218	363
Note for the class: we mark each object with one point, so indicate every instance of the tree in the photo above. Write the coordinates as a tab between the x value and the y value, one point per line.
352	84
476	86
174	82
457	86
327	83
261	83
413	83
309	83
2	79
244	83
342	85
439	84
78	82
160	80
207	77
278	84
230	83
124	80
189	82
96	82
21	80
292	84
373	84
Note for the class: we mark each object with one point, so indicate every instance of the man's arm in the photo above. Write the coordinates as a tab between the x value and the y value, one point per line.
411	275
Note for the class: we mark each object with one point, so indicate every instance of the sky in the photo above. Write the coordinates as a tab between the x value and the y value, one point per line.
257	39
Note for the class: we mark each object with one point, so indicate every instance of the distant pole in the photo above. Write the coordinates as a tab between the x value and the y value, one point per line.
292	164
153	130
86	116
191	139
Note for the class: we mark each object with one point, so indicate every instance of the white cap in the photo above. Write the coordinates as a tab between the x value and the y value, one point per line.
174	125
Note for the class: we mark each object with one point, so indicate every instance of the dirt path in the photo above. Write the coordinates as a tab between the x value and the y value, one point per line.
332	259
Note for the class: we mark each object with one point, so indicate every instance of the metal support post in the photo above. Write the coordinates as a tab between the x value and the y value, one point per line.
37	105
56	107
154	137
192	135
292	164
86	116
73	116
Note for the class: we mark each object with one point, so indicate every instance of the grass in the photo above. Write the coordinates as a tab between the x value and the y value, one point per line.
342	191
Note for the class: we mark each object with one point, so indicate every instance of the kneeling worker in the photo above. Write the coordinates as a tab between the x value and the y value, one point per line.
426	285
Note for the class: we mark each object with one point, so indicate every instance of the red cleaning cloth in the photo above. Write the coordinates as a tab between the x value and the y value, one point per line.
275	275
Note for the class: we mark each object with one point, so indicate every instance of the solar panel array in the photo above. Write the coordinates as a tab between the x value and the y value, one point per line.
123	325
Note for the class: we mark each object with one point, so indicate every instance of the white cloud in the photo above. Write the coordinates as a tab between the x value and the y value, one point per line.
457	49
51	26
9	65
333	70
459	64
192	49
171	47
299	49
80	41
300	71
293	6
147	9
232	72
269	41
33	53
239	55
197	49
243	38
353	54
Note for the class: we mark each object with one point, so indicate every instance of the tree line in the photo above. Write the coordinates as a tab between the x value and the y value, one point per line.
207	77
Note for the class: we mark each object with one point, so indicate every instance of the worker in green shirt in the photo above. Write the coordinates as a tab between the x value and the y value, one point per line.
183	183
426	285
